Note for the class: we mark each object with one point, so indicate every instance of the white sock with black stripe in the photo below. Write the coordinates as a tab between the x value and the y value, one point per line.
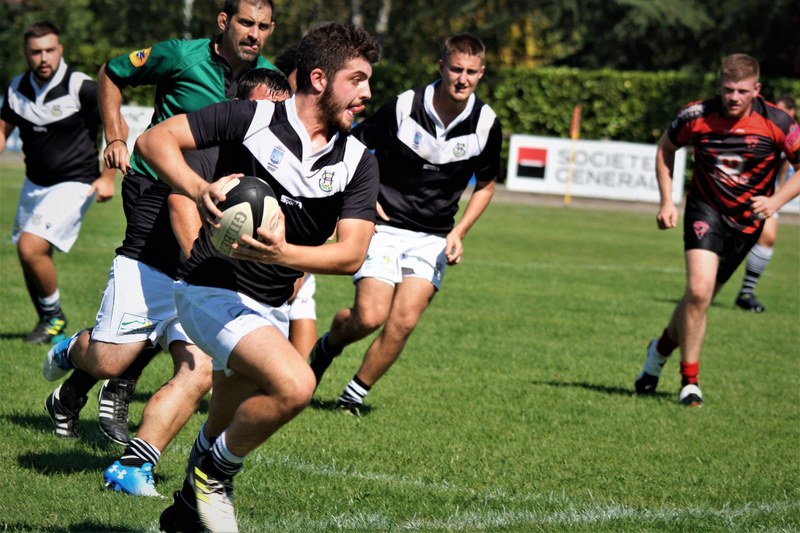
223	459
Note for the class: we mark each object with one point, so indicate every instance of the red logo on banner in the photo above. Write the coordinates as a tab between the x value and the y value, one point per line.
531	162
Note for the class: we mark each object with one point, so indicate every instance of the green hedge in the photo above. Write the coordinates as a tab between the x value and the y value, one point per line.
627	106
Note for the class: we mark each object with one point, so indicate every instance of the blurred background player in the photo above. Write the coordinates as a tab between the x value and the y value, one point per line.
55	109
728	200
188	75
759	257
323	177
429	142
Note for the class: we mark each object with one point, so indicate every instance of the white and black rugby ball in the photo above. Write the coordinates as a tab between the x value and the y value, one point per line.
249	203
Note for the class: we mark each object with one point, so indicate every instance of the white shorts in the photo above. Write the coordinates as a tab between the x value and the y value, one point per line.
397	253
138	305
217	319
53	213
304	306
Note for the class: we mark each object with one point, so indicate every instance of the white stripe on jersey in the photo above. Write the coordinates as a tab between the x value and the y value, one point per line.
40	113
438	149
286	166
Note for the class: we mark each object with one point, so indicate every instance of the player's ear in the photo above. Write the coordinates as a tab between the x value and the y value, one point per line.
758	89
319	81
222	20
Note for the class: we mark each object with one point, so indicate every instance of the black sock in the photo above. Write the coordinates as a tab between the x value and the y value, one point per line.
134	371
75	387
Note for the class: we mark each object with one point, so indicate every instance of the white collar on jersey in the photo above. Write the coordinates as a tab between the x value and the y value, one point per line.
58	75
428	101
302	132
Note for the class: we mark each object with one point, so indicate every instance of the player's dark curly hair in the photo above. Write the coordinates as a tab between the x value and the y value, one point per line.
329	46
286	60
275	81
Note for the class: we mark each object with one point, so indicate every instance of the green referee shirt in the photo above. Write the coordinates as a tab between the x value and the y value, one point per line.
188	75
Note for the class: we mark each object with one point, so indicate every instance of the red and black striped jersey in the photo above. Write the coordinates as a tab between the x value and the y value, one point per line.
735	159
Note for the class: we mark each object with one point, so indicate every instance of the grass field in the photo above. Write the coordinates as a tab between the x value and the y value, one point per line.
510	409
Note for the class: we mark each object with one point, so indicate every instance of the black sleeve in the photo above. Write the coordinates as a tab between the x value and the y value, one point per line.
90	108
489	161
379	128
6	114
203	161
218	123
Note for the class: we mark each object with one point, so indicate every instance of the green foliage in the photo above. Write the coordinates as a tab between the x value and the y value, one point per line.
509	410
626	106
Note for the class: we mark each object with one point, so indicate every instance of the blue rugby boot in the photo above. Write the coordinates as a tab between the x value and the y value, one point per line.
135	480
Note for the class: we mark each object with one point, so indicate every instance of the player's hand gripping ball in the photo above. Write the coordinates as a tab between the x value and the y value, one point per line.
249	203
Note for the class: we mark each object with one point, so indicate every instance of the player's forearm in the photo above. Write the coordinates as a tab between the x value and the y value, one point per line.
161	147
185	221
665	167
5	132
110	102
789	189
478	202
344	257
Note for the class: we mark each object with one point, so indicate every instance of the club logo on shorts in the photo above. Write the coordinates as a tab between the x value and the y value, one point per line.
139	57
460	150
326	181
134	324
417	138
277	155
700	228
56	111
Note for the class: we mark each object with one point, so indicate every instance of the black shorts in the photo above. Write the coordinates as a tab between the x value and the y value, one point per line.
705	229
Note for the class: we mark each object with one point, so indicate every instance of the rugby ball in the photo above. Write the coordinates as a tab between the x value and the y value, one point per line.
249	203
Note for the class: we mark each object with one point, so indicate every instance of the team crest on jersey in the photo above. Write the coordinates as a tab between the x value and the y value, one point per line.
139	57
700	228
277	155
460	149
751	141
326	181
417	138
56	111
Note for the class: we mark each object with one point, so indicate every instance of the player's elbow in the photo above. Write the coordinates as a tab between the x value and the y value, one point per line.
351	265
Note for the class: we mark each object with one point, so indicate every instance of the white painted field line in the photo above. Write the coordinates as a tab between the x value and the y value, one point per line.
543	514
595	267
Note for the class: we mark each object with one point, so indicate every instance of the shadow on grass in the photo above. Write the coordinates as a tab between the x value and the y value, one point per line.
67	462
605	389
88	430
79	526
330	405
14	336
717	304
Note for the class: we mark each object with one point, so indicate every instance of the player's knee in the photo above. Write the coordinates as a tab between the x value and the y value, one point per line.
103	362
369	320
295	393
192	370
699	294
32	247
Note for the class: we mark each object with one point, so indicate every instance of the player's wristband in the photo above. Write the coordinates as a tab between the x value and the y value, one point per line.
117	140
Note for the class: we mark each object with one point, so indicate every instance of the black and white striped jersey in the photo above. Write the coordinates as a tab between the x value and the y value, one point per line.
58	125
314	189
425	167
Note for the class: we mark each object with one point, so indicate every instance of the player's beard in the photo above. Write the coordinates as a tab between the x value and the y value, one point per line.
332	113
